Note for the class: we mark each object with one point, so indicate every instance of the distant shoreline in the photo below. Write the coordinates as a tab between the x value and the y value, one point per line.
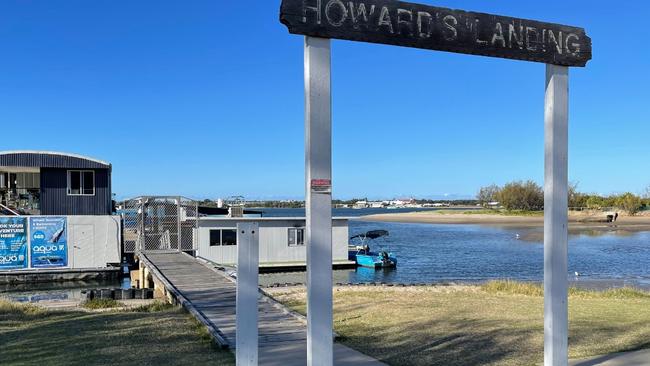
577	221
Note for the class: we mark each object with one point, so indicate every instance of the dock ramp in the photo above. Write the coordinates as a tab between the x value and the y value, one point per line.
209	295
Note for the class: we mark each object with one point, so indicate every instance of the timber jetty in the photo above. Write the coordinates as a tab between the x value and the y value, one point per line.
209	295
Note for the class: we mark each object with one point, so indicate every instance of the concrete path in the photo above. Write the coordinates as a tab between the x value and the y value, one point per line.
282	336
636	358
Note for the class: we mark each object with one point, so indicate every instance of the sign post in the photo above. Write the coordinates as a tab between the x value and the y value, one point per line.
318	201
556	121
246	307
422	26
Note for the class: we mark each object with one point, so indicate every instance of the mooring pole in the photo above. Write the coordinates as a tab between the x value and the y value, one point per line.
556	122
247	293
318	201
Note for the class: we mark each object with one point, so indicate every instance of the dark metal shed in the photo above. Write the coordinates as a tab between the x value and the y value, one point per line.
54	183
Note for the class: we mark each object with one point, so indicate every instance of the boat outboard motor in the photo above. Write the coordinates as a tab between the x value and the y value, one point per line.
384	256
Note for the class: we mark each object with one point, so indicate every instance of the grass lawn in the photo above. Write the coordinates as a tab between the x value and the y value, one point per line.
150	335
500	323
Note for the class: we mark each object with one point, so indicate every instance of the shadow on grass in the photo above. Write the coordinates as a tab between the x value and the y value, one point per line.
123	338
455	342
458	344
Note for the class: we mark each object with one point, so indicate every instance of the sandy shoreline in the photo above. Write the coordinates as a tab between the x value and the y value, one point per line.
577	222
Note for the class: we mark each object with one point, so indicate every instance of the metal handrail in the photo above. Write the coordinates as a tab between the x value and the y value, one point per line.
10	210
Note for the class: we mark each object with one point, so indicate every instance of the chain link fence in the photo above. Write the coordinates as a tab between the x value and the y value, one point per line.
160	223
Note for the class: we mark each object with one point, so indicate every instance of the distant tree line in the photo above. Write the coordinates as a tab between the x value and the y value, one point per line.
349	202
529	196
335	202
517	195
276	204
260	204
459	202
629	202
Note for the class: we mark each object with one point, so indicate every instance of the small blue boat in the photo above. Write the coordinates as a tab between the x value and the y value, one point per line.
363	256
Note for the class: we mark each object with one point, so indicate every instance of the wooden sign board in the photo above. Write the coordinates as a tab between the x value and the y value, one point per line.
422	26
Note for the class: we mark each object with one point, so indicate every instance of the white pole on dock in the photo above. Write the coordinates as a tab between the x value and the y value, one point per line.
247	293
318	200
556	123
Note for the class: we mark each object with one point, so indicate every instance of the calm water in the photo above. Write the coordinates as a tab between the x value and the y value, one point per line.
430	253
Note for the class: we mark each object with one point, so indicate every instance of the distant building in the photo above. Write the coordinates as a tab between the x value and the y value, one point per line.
54	183
360	204
402	202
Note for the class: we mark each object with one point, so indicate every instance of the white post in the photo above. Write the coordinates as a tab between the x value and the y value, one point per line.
247	293
556	123
318	201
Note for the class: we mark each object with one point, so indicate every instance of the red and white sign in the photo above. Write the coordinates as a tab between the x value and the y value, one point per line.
321	185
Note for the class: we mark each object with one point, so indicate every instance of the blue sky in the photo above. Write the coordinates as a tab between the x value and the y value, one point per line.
205	99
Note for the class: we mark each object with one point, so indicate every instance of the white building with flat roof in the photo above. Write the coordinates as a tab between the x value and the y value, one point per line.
282	240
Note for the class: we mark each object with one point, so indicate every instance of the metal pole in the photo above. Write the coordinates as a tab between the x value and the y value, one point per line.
318	201
143	217
247	292
195	241
178	223
556	123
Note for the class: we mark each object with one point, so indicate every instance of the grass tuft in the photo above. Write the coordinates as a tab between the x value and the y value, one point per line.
19	313
153	307
513	288
201	330
533	289
621	293
96	304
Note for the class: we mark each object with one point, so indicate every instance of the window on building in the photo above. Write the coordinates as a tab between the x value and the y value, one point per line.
20	190
229	237
81	182
219	237
296	236
215	238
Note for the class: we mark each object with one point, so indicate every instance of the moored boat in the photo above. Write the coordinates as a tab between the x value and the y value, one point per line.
363	256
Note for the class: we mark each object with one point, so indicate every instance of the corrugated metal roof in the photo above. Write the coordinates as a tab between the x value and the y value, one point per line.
50	159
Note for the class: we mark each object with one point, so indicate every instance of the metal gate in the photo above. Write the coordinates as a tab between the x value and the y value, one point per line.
160	223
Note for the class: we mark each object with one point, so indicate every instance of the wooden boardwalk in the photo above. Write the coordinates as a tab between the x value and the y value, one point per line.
210	296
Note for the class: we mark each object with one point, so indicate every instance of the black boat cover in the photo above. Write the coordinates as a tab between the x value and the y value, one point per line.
372	234
206	210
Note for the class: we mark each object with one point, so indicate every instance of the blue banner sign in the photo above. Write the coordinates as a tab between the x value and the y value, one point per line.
13	242
49	244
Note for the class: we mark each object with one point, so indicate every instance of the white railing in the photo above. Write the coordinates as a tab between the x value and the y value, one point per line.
9	210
